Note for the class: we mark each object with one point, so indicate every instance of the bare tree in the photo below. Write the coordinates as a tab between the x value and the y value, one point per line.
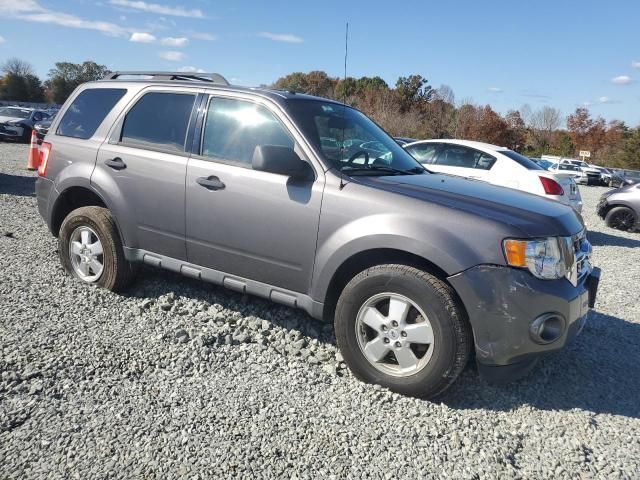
17	67
542	123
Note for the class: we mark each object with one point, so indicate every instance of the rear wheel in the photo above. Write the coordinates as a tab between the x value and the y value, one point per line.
402	328
90	249
621	218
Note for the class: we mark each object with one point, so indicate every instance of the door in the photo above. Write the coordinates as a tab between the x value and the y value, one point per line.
464	162
256	225
146	159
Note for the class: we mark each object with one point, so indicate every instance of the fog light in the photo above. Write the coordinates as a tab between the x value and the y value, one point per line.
547	328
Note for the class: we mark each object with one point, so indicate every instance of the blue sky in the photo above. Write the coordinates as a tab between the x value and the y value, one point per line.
560	53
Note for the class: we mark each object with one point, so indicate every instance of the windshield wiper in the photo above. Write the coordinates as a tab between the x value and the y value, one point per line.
382	168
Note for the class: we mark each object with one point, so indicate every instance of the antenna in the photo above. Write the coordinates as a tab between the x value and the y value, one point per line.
344	97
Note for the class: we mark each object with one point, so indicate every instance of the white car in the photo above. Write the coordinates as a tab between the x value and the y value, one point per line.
594	175
570	170
496	165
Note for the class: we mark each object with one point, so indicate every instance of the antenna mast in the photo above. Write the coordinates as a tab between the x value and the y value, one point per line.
344	97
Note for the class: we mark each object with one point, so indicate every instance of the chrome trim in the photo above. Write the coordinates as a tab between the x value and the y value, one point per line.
578	260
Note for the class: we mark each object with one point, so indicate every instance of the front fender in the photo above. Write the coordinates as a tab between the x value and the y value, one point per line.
448	250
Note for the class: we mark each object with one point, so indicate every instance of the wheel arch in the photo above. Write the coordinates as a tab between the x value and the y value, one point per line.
362	260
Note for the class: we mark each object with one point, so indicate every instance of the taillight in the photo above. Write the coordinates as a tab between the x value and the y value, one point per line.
45	153
551	187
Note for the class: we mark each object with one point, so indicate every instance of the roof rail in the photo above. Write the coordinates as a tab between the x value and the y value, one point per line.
198	77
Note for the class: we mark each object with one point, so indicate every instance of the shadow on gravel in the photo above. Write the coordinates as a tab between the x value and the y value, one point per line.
598	372
17	185
600	239
153	283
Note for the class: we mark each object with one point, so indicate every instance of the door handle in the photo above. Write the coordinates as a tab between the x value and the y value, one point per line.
211	183
116	163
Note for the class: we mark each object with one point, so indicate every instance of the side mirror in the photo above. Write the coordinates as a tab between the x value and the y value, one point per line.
280	160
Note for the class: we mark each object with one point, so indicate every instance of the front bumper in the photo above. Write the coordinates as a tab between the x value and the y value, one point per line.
503	302
44	187
601	207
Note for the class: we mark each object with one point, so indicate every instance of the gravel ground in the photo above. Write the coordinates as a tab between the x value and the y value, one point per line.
183	379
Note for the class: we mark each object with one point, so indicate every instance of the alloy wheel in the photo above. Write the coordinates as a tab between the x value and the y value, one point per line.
394	334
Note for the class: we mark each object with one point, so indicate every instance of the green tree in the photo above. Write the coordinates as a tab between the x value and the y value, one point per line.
66	76
413	90
20	83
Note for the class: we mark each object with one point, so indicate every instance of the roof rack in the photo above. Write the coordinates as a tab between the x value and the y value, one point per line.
198	77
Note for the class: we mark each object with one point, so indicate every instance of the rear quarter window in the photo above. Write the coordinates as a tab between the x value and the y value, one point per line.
87	111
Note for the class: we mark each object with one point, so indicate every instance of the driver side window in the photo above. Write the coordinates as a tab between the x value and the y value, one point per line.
234	128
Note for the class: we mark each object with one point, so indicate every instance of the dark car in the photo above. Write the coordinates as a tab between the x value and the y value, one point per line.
620	208
42	127
621	178
245	188
16	123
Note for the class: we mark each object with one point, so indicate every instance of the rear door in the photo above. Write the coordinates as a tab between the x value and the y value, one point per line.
256	225
146	158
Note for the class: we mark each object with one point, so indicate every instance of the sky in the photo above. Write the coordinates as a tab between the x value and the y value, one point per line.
561	53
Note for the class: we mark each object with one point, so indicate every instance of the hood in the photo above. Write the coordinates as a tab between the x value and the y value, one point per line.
533	215
4	119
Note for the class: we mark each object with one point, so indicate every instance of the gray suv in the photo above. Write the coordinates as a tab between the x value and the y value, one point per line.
308	203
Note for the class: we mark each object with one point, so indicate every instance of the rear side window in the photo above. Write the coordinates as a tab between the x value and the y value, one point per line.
234	128
458	156
87	111
526	162
159	120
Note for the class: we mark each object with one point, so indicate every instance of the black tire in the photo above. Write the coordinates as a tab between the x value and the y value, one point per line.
117	273
451	332
621	218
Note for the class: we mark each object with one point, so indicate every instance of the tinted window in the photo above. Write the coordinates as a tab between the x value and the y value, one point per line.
234	128
87	111
458	156
159	120
526	162
424	152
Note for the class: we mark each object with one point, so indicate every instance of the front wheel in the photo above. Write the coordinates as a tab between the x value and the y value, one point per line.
402	328
90	249
621	218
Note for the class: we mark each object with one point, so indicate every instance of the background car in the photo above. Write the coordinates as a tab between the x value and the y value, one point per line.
620	208
42	127
496	165
621	178
16	123
546	164
568	170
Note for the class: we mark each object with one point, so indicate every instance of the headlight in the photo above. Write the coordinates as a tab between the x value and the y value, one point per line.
548	258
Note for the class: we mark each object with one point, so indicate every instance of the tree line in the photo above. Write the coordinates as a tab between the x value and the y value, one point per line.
19	83
410	108
413	108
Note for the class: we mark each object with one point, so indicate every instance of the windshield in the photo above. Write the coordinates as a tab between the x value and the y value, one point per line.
14	112
349	141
